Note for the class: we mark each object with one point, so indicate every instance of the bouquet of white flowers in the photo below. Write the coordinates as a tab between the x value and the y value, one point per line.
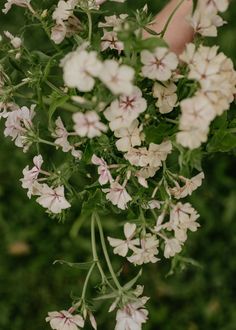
130	120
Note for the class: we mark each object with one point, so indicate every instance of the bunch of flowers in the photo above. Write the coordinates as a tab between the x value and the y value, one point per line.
131	110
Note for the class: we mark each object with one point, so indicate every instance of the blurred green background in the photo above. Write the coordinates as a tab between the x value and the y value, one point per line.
194	298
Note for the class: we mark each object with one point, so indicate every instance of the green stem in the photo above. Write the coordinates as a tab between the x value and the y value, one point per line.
87	280
90	22
46	142
108	261
170	18
95	255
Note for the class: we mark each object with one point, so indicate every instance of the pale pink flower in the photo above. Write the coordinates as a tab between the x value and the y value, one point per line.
182	218
15	41
64	320
132	316
122	112
172	247
147	252
118	195
157	153
113	21
129	137
137	156
189	186
144	173
88	124
61	135
18	124
110	40
158	65
79	69
58	33
103	171
64	10
117	78
20	3
53	199
121	247
166	95
31	175
5	108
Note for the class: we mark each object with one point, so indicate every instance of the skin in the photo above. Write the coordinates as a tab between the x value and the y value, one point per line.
179	31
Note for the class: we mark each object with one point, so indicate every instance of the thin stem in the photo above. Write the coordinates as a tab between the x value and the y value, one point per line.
104	248
95	255
87	280
90	22
46	142
170	18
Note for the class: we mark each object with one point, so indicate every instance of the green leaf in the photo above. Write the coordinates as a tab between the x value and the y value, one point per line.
222	141
79	265
150	44
56	103
156	134
131	283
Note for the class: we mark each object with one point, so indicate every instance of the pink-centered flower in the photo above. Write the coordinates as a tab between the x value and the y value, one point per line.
88	124
31	175
123	111
118	195
103	171
64	320
158	65
132	315
117	78
121	247
53	199
20	3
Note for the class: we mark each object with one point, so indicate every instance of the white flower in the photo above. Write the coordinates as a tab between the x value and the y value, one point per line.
144	173
103	171
121	247
64	10
157	153
61	135
152	204
129	137
88	124
113	21
197	113
5	108
58	33
20	3
158	65
117	78
132	316
79	69
110	40
118	195
172	247
166	95
15	41
182	218
147	252
53	199
189	186
18	124
64	320
153	157
192	136
122	112
31	175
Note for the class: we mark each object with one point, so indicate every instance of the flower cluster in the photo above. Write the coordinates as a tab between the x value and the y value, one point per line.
124	115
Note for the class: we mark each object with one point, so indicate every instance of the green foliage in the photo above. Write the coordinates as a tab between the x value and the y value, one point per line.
195	298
